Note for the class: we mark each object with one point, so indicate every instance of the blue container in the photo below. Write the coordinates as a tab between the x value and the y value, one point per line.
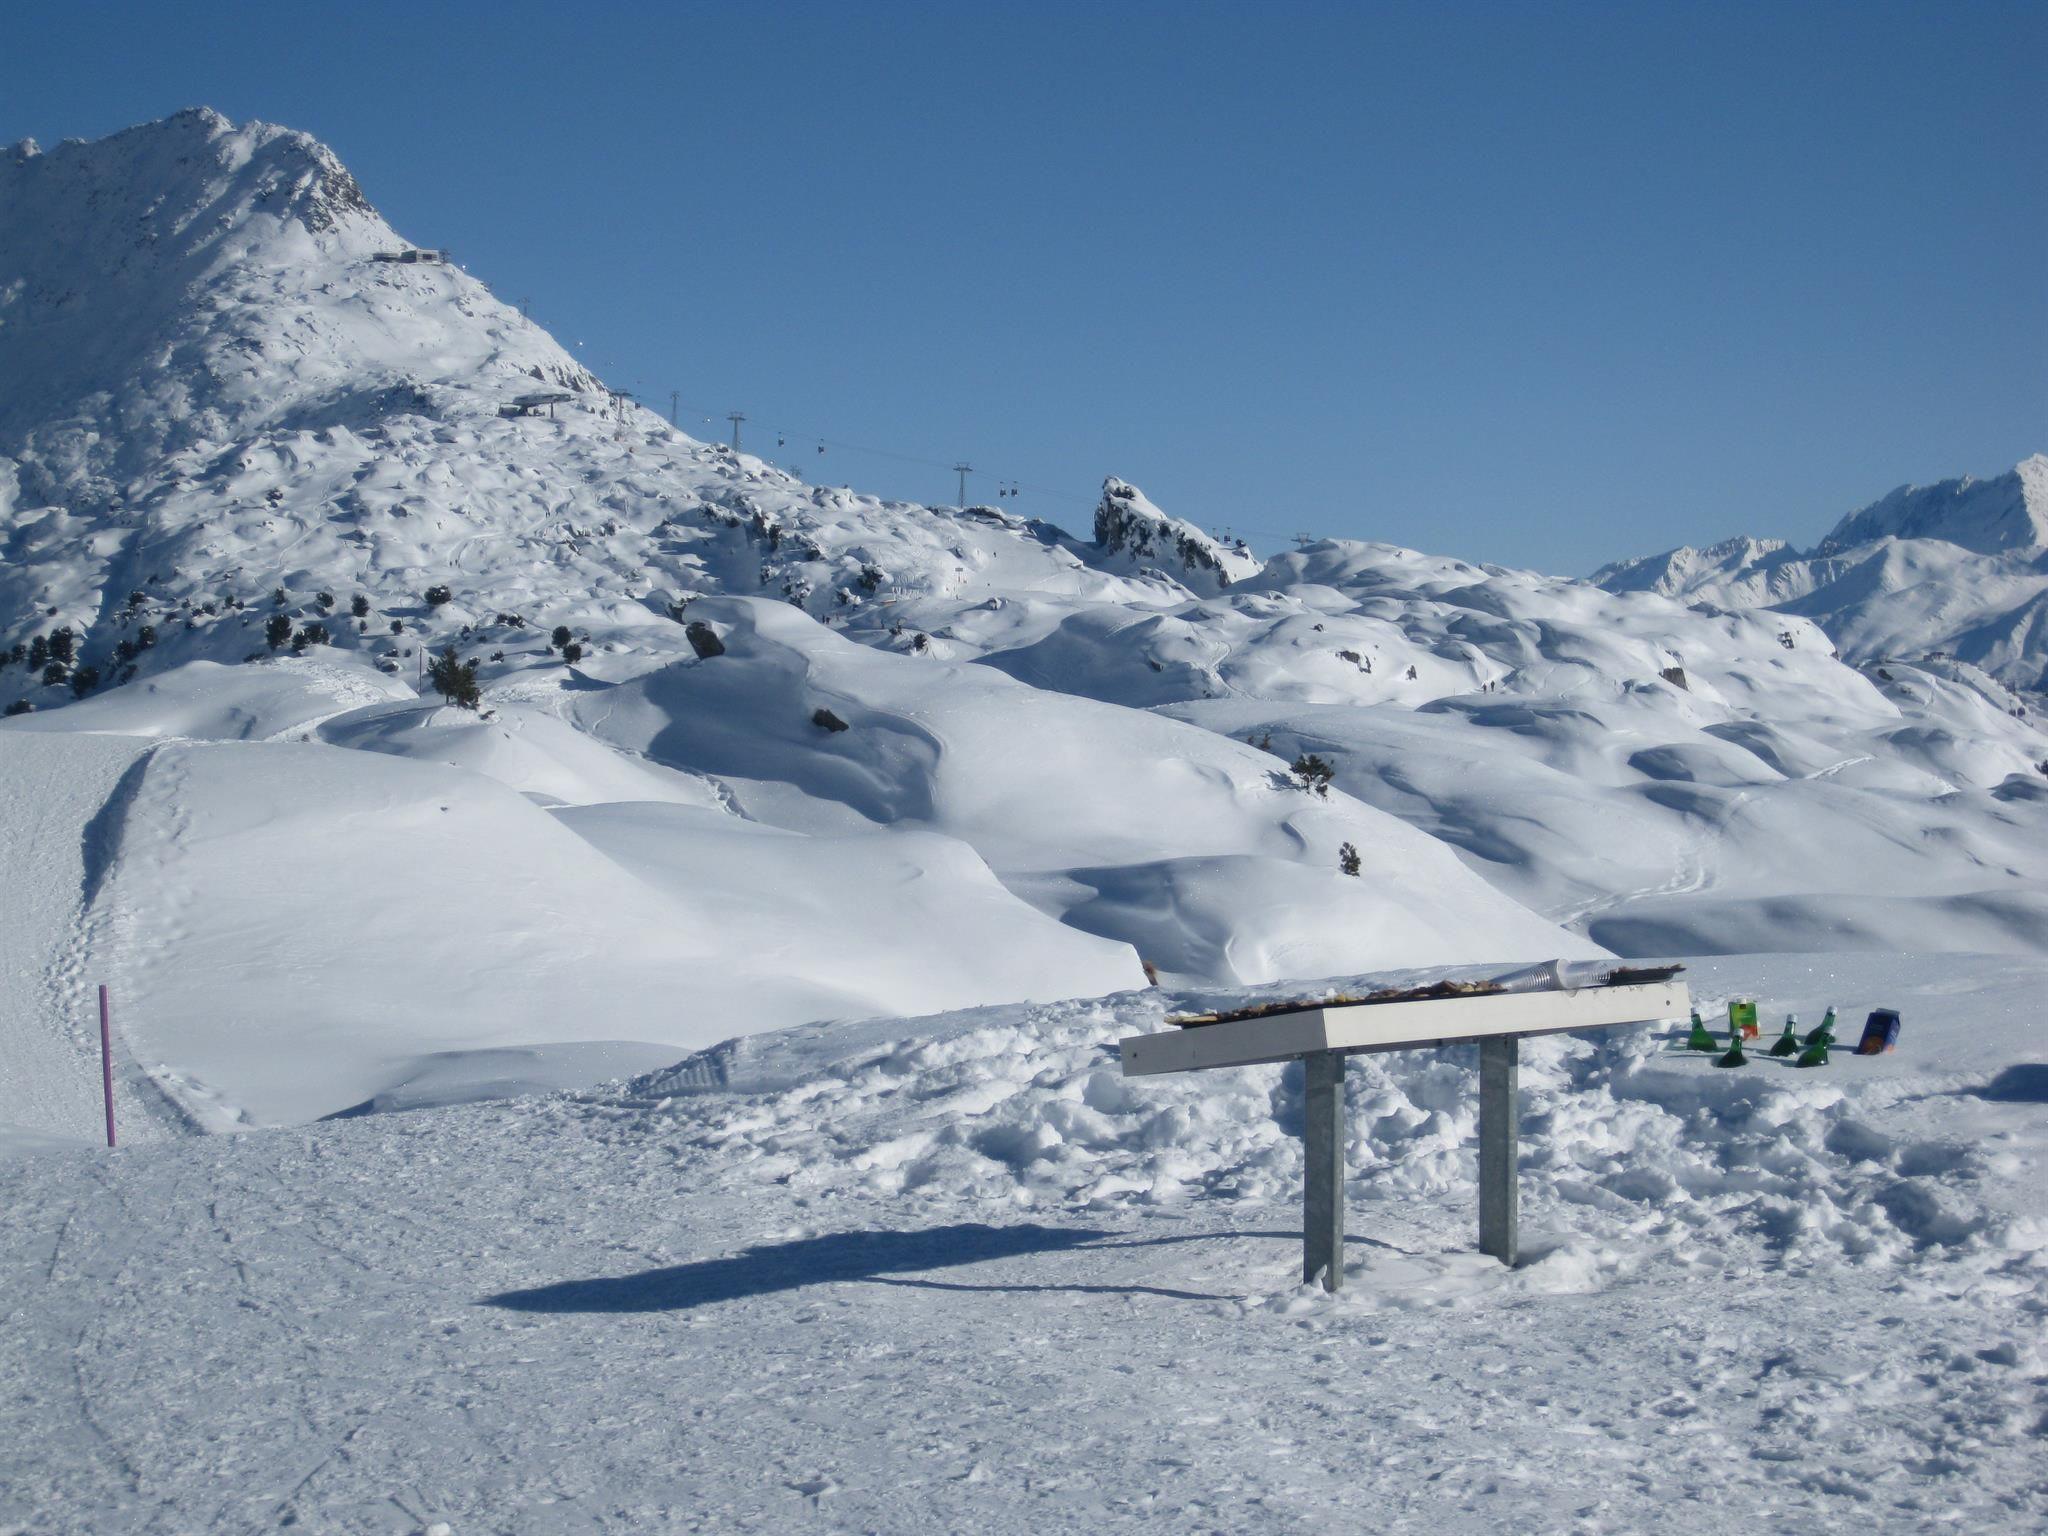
1880	1033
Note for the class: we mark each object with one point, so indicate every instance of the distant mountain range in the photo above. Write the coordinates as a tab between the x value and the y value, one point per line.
1955	571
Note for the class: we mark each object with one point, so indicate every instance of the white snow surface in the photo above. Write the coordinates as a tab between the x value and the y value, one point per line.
957	1273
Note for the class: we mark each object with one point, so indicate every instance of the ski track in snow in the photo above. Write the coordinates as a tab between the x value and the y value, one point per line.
65	794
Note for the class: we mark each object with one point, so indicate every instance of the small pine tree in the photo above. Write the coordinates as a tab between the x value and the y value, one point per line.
398	626
1348	860
145	637
84	680
572	653
359	605
1313	773
21	707
55	673
437	595
63	645
276	630
455	680
277	597
560	637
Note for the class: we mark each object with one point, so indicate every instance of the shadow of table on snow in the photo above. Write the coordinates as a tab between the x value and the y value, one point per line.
885	1257
2024	1082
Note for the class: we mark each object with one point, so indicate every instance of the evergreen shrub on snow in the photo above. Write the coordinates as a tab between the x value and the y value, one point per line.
455	680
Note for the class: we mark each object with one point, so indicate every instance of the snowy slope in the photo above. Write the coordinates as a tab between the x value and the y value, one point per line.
1655	776
377	911
1198	851
54	853
1955	570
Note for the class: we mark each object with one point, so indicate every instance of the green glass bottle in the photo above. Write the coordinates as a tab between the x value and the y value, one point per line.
1788	1043
1734	1056
1701	1038
1815	1055
1824	1029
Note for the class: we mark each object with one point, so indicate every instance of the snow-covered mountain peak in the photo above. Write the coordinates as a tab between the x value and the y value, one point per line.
127	208
2006	512
1675	572
1956	570
190	283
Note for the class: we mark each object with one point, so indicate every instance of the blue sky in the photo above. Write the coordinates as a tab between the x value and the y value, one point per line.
1540	284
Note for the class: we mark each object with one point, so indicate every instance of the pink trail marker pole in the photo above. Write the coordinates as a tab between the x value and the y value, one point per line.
107	1062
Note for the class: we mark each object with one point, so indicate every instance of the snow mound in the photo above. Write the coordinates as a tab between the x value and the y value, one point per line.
1624	1131
301	929
205	701
1128	825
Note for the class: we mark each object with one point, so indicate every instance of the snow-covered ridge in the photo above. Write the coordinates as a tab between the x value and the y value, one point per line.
1956	570
2008	511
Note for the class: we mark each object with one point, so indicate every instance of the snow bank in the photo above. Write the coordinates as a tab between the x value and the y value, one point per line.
300	929
1200	851
1026	1107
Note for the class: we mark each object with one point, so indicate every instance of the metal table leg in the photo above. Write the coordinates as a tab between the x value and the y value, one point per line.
1322	1243
1499	1147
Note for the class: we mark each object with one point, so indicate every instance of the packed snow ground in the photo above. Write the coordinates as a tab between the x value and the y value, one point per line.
957	1274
